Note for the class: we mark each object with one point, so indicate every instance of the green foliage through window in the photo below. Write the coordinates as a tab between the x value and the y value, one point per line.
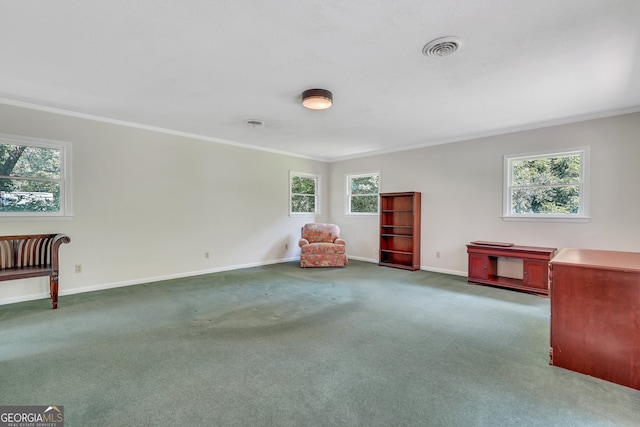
363	193
30	178
546	185
304	193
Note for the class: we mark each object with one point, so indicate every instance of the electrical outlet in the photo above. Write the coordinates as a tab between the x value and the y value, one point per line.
78	268
206	255
286	246
437	254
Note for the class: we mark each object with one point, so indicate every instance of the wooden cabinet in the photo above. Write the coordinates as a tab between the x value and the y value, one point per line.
535	274
400	230
483	266
595	314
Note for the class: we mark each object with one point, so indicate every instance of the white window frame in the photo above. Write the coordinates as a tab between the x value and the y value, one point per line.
348	178
583	209
65	177
316	177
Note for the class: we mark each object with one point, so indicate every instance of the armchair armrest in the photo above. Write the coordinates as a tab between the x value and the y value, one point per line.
303	242
339	241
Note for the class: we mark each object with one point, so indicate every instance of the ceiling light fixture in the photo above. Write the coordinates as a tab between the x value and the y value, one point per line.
317	99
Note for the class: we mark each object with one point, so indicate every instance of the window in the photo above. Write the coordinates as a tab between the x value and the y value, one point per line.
363	192
304	190
547	185
33	177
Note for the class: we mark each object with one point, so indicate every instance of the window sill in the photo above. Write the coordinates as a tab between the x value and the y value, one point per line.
579	219
35	218
303	214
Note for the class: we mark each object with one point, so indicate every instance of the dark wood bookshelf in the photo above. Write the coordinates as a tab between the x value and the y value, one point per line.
400	230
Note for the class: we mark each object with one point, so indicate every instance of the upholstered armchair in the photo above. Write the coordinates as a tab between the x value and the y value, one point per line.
321	246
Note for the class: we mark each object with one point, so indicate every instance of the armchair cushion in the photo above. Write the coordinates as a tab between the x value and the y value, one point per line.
323	248
320	233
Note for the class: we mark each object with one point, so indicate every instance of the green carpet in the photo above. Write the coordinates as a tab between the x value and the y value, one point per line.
284	346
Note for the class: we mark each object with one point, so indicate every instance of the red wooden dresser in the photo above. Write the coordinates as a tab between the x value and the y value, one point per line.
595	314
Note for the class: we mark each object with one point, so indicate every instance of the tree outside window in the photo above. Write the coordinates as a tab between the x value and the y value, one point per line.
31	177
304	193
363	192
551	185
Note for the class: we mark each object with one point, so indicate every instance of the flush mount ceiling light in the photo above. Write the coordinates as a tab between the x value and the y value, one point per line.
443	46
317	99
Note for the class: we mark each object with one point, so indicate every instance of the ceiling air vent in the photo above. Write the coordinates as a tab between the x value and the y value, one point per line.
443	46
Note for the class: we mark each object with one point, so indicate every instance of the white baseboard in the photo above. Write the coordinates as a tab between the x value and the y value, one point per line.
112	285
444	271
23	298
104	286
172	276
422	267
359	258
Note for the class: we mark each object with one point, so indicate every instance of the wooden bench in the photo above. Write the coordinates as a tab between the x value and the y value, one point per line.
33	255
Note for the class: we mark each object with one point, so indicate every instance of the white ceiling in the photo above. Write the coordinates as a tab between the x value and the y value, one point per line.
204	67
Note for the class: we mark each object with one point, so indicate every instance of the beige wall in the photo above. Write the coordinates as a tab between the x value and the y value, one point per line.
148	205
461	185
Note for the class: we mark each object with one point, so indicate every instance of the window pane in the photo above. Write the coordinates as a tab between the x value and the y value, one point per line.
365	185
301	203
29	196
364	204
547	171
546	200
32	162
303	185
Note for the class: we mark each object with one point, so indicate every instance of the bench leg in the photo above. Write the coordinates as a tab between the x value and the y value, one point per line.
53	289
